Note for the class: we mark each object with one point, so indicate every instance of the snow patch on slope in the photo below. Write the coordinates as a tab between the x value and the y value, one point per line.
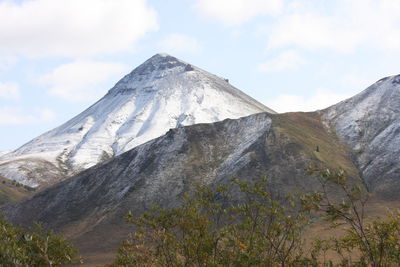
4	152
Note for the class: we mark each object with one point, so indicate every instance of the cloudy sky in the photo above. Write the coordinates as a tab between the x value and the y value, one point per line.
57	57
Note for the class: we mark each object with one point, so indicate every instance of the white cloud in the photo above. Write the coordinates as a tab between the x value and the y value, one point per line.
16	116
234	12
82	80
342	26
9	90
46	115
73	27
312	31
288	60
320	99
7	61
175	43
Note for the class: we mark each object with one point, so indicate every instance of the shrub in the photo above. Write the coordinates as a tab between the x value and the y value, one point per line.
366	242
211	228
33	248
244	224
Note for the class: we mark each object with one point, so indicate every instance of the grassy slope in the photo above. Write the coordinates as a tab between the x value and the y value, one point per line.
308	131
10	193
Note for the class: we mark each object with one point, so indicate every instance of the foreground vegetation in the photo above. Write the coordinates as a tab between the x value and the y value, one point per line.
36	247
239	224
213	228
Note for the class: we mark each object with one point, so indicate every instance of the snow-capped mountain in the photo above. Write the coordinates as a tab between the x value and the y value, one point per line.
162	93
369	123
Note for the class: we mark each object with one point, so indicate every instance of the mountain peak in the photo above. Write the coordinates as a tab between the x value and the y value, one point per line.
162	93
162	59
161	55
381	97
158	66
159	62
164	56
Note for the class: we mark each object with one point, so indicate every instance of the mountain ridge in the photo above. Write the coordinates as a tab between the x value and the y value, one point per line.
94	202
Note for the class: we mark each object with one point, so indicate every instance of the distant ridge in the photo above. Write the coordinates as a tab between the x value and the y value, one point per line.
369	123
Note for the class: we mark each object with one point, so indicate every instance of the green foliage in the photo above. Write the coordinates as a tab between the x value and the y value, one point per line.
246	225
212	228
366	242
33	248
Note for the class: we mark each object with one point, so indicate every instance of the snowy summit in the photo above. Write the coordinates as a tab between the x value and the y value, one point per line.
162	93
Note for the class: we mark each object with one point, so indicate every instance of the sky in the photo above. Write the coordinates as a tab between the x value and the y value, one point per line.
57	57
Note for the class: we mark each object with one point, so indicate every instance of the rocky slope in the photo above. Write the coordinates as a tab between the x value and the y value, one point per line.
369	123
91	205
162	93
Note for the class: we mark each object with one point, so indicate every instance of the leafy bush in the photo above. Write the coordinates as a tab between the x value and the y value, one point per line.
367	242
245	225
211	228
33	248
